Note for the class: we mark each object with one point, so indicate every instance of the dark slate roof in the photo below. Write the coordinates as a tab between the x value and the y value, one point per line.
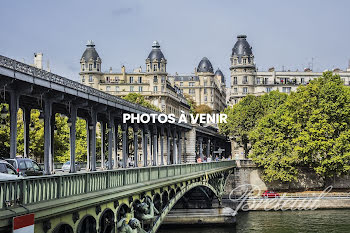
242	47
90	52
205	66
219	73
156	53
186	78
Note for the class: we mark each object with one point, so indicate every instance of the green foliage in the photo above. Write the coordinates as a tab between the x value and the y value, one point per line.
311	129
203	109
139	99
191	102
243	117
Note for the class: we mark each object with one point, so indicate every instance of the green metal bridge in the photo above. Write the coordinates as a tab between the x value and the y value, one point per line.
121	200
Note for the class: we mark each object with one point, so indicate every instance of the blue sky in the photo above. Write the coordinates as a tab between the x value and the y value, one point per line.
282	33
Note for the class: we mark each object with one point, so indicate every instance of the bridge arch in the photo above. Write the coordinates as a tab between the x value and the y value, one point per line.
87	225
63	228
106	222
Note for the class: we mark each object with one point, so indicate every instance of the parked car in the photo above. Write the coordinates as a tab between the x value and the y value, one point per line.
7	171
26	166
270	194
66	166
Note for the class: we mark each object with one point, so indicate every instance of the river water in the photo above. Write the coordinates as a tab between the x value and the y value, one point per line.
316	221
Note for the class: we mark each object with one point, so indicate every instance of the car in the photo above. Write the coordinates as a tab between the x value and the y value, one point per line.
26	166
270	194
7	171
66	166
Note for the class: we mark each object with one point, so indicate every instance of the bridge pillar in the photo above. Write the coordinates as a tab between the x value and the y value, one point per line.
190	144
155	144
180	148
72	137
168	146
14	105
200	140
162	146
136	145
174	148
145	145
48	136
26	124
125	145
111	143
208	148
103	133
115	143
92	139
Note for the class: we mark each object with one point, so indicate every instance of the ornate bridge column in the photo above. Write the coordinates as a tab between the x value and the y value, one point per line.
145	145
47	136
103	133
111	143
162	146
14	105
115	143
208	148
92	134
180	148
125	144
136	145
200	140
174	147
168	145
190	144
155	144
72	136
26	124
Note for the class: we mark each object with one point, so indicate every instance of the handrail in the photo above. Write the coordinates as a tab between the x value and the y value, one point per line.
31	190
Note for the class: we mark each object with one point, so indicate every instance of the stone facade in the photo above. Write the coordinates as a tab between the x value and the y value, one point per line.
246	79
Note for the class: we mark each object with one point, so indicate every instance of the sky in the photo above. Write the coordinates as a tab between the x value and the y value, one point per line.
287	35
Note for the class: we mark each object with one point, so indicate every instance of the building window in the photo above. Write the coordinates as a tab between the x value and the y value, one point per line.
140	88
155	88
90	67
155	67
286	89
205	90
245	79
95	65
205	83
116	88
147	67
245	90
191	91
244	61
140	79
131	79
181	84
302	80
155	79
107	79
83	67
266	81
191	84
235	90
257	80
234	80
117	79
131	88
268	89
91	79
108	88
163	79
83	79
98	67
205	98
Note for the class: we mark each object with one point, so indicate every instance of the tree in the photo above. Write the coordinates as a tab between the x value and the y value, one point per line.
191	102
203	109
311	129
139	99
243	117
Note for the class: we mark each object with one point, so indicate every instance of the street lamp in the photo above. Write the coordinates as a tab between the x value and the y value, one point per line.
4	112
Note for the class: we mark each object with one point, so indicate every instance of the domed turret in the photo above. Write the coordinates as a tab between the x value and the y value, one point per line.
242	47
156	61
220	76
205	66
90	61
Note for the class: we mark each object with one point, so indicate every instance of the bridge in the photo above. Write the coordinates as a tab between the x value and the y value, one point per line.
133	198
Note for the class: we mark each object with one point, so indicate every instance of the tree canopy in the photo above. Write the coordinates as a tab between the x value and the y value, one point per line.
311	129
137	98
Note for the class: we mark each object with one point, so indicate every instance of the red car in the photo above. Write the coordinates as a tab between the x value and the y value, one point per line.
270	194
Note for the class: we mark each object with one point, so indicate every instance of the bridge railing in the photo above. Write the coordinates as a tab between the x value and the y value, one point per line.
29	190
